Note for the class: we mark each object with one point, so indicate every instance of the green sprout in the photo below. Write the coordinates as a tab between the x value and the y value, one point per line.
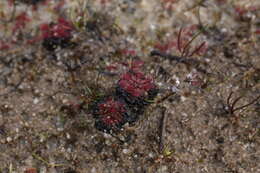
79	14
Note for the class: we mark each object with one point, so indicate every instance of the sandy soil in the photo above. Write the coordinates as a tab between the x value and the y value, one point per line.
206	117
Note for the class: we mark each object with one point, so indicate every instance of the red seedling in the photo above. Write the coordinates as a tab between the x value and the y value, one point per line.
185	39
21	21
183	43
111	111
110	114
135	87
58	34
136	83
62	28
4	45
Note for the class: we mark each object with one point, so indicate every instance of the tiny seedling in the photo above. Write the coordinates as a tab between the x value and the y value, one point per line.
184	49
231	104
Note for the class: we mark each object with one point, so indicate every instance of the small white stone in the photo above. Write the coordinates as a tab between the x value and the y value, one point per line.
183	98
93	170
42	138
69	150
107	135
36	101
175	89
224	30
63	149
125	151
59	63
66	54
159	84
60	129
64	101
8	139
68	135
151	155
26	124
153	27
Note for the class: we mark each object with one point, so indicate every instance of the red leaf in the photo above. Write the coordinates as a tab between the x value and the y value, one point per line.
4	46
257	31
30	170
20	21
136	83
111	111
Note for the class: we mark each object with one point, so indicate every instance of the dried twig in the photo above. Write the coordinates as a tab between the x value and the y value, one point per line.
187	61
162	127
164	97
197	49
179	44
185	50
231	105
250	103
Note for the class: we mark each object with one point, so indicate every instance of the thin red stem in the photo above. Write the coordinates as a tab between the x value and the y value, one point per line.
241	107
197	49
179	44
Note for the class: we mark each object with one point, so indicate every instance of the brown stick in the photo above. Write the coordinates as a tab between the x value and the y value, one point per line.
250	103
179	41
163	123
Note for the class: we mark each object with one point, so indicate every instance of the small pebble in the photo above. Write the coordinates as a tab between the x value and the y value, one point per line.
151	155
8	139
68	135
64	101
183	99
93	170
125	151
35	101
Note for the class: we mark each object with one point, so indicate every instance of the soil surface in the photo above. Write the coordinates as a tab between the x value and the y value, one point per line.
203	56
